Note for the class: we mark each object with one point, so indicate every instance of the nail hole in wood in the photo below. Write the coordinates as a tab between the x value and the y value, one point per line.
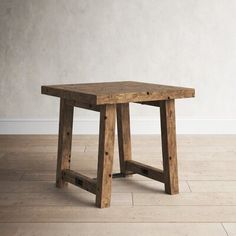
106	153
105	117
148	93
144	171
78	182
170	158
68	133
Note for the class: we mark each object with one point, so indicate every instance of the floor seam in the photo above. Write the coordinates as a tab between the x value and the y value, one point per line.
222	224
189	186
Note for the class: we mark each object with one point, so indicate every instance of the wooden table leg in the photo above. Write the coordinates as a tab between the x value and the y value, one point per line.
105	155
64	140
168	134
124	140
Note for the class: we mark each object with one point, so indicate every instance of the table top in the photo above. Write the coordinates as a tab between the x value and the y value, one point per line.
117	92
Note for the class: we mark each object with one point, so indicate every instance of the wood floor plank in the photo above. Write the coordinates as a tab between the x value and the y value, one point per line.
207	170
218	170
142	154
39	175
118	186
40	164
10	175
37	165
212	186
207	165
2	154
212	155
143	186
48	156
185	199
188	170
44	165
117	229
145	214
60	198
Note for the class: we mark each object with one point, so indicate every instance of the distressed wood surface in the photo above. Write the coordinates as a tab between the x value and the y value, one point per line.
145	170
169	152
64	140
124	136
117	92
105	155
80	180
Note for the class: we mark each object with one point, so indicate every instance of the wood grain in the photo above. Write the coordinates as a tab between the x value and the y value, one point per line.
117	92
124	136
168	134
80	180
64	140
145	170
105	155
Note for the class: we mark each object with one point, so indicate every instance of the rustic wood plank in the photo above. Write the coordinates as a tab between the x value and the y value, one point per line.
145	170
80	180
117	92
168	134
151	103
124	137
105	155
84	105
64	140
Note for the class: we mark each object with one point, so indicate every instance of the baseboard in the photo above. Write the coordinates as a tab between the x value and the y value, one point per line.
138	126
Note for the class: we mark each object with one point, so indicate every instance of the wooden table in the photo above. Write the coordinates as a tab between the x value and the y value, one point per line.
111	99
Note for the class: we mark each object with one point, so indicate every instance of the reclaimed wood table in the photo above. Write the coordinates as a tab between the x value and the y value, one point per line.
111	99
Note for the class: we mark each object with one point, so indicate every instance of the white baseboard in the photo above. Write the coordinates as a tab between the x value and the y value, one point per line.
138	126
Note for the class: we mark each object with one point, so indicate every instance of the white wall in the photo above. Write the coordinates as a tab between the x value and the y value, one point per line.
185	42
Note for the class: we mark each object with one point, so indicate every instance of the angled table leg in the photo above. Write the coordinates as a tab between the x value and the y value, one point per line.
124	140
105	155
169	152
64	141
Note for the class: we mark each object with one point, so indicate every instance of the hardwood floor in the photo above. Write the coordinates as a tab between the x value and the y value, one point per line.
30	204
